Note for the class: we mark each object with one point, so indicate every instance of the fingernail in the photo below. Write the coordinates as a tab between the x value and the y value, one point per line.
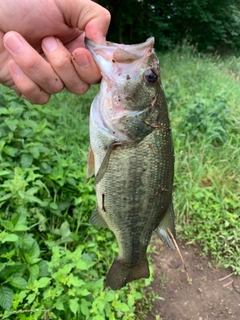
13	43
82	60
50	44
15	69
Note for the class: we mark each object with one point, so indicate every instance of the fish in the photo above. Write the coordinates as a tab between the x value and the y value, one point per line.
131	155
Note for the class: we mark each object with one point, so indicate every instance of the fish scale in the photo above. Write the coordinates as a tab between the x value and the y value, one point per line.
132	154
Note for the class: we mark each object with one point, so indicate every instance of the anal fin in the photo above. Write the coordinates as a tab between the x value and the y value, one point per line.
97	220
167	222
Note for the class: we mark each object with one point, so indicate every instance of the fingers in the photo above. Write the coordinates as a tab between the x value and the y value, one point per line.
25	87
85	66
77	77
35	77
92	18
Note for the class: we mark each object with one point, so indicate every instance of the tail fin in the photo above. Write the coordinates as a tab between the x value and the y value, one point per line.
121	273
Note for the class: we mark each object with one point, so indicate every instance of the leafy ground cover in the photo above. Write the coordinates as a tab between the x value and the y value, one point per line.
52	261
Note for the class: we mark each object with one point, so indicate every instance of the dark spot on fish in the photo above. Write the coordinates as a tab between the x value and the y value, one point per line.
130	99
103	207
152	149
159	188
153	124
149	50
154	100
150	76
155	194
163	189
128	77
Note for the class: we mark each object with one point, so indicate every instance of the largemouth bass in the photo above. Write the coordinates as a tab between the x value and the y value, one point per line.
131	155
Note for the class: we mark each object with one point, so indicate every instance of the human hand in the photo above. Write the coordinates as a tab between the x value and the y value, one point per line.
42	46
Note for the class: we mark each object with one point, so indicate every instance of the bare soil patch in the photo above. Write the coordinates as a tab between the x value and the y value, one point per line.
204	297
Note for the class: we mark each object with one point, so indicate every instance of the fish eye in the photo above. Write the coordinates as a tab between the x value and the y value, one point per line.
150	76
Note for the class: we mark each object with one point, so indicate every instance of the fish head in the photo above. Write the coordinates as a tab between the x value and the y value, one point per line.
130	80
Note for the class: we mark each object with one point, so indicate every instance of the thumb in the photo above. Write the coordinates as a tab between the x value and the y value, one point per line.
89	17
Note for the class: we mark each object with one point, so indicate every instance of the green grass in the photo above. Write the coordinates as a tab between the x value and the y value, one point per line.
203	95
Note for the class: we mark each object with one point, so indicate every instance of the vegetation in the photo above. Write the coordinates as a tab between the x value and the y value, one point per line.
52	261
211	24
204	101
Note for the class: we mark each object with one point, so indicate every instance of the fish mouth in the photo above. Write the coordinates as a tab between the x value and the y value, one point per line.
135	51
112	53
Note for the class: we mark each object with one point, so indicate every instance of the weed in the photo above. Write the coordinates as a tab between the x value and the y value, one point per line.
52	262
204	101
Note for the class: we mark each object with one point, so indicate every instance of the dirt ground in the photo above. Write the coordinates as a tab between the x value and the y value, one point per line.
206	296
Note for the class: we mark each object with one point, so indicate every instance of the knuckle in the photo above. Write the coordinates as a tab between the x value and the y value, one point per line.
54	86
61	64
32	65
35	94
29	90
107	16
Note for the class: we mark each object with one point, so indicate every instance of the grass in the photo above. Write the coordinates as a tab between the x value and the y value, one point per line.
204	101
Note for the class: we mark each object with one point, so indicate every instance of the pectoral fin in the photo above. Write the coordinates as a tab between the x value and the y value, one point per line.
90	164
167	223
97	220
104	165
